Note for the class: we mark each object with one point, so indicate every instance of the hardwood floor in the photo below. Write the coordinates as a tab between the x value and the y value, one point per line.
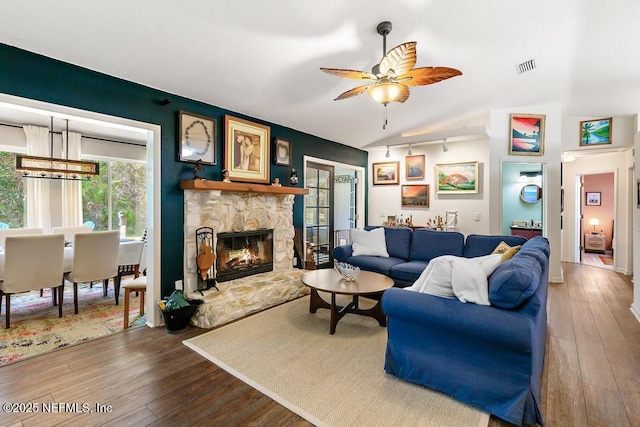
591	375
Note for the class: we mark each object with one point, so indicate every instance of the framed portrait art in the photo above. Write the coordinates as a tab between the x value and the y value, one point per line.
414	166
247	150
196	139
281	152
457	178
414	196
595	132
526	136
385	173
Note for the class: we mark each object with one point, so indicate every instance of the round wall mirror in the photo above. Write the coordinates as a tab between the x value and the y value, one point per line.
531	193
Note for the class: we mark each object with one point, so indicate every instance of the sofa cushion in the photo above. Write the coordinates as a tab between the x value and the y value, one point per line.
369	242
479	245
506	251
408	271
538	242
398	240
428	244
514	281
376	264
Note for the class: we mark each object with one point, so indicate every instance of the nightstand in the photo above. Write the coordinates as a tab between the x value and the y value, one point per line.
595	243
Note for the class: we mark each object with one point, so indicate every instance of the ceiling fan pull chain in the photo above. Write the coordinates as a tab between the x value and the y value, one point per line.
384	123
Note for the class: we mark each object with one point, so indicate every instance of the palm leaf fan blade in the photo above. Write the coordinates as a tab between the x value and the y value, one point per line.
353	92
404	94
349	74
427	75
400	59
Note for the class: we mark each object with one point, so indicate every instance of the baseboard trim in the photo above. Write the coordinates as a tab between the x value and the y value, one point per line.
636	311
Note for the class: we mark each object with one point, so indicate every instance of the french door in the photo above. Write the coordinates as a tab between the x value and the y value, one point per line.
319	213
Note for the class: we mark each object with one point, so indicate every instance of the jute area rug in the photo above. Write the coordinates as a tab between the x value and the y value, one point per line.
36	328
288	354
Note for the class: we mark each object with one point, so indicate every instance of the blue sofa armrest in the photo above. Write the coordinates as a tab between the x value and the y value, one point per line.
493	326
342	253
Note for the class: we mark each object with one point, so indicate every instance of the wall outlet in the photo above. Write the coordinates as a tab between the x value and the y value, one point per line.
382	214
178	284
476	216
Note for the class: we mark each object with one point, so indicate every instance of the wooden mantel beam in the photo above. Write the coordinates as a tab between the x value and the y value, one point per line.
240	187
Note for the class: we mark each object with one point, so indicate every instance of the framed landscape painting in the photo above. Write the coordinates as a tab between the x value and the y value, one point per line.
457	178
415	196
385	173
414	166
247	148
526	137
595	132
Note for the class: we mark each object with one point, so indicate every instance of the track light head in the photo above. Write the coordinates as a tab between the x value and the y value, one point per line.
410	152
444	145
388	153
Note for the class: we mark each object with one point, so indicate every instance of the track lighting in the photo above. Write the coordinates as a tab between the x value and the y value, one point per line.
410	152
388	153
444	145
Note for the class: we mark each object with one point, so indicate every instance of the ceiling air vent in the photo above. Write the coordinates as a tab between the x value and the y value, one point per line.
529	65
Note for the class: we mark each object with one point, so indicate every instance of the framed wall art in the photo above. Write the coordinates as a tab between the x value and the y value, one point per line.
247	150
457	178
595	132
414	166
385	173
414	196
526	136
593	199
281	152
196	139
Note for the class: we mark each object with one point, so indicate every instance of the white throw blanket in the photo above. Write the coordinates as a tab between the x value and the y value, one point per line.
450	276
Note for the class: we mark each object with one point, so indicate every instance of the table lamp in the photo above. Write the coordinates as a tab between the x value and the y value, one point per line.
594	222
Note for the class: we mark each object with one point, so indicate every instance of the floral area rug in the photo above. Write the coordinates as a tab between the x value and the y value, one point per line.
36	328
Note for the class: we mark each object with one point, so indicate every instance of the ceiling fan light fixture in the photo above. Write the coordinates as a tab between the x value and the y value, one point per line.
386	92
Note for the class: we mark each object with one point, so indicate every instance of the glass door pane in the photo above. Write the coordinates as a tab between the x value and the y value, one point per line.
319	213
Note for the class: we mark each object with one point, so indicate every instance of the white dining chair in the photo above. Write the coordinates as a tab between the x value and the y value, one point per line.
18	232
69	232
32	262
95	258
137	284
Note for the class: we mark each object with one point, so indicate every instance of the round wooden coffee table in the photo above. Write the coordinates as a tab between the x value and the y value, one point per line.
328	280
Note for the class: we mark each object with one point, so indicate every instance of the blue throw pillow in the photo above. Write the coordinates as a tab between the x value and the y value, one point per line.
514	281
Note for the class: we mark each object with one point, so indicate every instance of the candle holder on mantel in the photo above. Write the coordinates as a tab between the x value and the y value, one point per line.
205	258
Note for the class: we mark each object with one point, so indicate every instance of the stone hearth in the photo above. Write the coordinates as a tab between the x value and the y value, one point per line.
241	207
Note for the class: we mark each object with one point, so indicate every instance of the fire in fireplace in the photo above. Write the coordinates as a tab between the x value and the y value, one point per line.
243	253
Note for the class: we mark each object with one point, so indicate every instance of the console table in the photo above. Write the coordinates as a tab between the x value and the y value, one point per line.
595	243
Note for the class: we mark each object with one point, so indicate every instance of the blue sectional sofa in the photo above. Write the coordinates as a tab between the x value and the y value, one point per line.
489	357
410	251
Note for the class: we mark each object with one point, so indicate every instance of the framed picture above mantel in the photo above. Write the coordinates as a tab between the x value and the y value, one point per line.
196	139
246	150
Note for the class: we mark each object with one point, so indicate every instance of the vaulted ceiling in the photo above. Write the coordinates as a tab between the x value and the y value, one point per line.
262	58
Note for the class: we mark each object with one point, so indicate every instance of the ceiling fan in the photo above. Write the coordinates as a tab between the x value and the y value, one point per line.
392	76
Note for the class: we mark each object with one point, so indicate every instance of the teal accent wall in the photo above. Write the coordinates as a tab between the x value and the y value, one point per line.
29	75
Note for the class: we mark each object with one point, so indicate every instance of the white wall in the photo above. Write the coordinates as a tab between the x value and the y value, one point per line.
385	199
499	130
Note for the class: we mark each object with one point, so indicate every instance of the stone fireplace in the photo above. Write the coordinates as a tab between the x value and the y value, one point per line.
234	208
243	253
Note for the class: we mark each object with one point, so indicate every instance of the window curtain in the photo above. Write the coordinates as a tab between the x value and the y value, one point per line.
72	190
38	190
